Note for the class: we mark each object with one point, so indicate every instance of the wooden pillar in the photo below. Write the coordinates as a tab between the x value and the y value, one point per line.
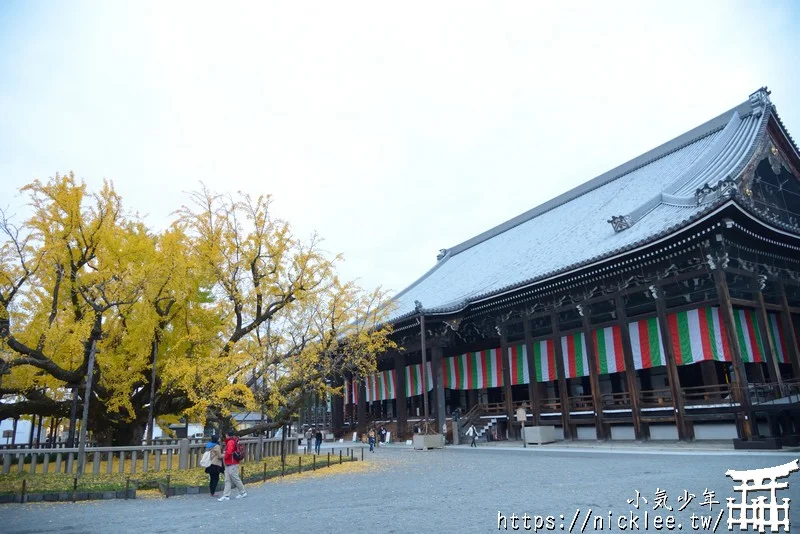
533	390
640	431
508	399
741	393
594	378
563	392
400	389
672	368
789	332
709	371
763	329
438	388
337	413
362	407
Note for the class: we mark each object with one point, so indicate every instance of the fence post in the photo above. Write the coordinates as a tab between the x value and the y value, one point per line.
300	464
329	458
362	454
183	454
74	488
127	486
340	457
260	454
314	463
265	472
22	497
166	493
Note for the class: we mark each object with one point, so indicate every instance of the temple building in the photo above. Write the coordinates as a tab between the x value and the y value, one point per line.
660	300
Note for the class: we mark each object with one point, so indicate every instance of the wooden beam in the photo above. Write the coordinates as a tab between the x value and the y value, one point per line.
763	329
508	400
594	379
400	388
563	392
362	407
639	430
740	377
672	368
790	333
438	388
533	391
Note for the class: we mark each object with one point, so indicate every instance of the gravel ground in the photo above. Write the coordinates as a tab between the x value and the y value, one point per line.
453	490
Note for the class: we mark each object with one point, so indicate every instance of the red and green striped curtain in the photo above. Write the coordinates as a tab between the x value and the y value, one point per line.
749	335
544	359
518	364
698	335
573	350
779	340
473	370
608	349
354	387
346	393
381	386
647	349
414	379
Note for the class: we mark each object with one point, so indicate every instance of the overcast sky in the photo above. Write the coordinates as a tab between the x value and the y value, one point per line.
392	129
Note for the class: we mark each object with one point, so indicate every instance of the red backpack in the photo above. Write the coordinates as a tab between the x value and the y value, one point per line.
238	450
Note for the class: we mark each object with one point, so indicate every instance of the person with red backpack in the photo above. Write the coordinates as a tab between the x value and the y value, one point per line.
234	453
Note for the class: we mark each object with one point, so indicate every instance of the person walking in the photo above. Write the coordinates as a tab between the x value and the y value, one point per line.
215	468
317	441
371	437
232	458
472	431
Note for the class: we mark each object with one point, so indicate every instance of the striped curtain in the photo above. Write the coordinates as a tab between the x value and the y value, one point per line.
573	351
544	359
473	370
413	376
608	350
381	386
518	364
778	337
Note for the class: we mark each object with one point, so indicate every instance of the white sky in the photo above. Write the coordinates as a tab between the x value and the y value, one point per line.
393	130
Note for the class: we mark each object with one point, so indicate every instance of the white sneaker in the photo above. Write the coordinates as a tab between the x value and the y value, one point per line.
224	498
241	495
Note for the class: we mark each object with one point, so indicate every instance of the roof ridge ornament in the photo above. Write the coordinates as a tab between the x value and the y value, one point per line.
620	222
442	254
759	100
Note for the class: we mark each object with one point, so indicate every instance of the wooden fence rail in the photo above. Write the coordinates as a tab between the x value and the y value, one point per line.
178	454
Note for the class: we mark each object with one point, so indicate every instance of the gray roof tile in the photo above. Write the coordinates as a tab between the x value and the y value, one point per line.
656	190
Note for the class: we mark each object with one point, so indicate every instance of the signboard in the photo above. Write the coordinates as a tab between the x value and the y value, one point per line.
8	433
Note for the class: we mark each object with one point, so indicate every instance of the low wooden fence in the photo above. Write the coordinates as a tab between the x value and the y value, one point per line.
180	454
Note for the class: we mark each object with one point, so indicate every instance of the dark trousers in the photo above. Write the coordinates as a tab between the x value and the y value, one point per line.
474	437
317	445
212	486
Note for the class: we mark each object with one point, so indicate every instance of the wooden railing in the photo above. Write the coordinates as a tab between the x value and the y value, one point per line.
621	399
707	395
550	405
581	403
183	454
656	398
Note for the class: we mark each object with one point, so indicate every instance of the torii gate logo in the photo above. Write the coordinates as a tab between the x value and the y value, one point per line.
760	513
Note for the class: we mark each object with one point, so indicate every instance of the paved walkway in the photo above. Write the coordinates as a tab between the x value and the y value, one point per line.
457	489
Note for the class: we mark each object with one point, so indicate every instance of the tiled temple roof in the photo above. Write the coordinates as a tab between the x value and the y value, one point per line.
638	202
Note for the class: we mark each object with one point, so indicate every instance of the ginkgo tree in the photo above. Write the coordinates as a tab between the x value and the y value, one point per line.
223	311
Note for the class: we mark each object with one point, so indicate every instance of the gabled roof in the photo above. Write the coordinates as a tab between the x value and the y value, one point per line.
645	198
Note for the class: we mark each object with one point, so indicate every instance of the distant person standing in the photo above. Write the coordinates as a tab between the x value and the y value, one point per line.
215	468
232	458
472	431
371	437
383	434
317	441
